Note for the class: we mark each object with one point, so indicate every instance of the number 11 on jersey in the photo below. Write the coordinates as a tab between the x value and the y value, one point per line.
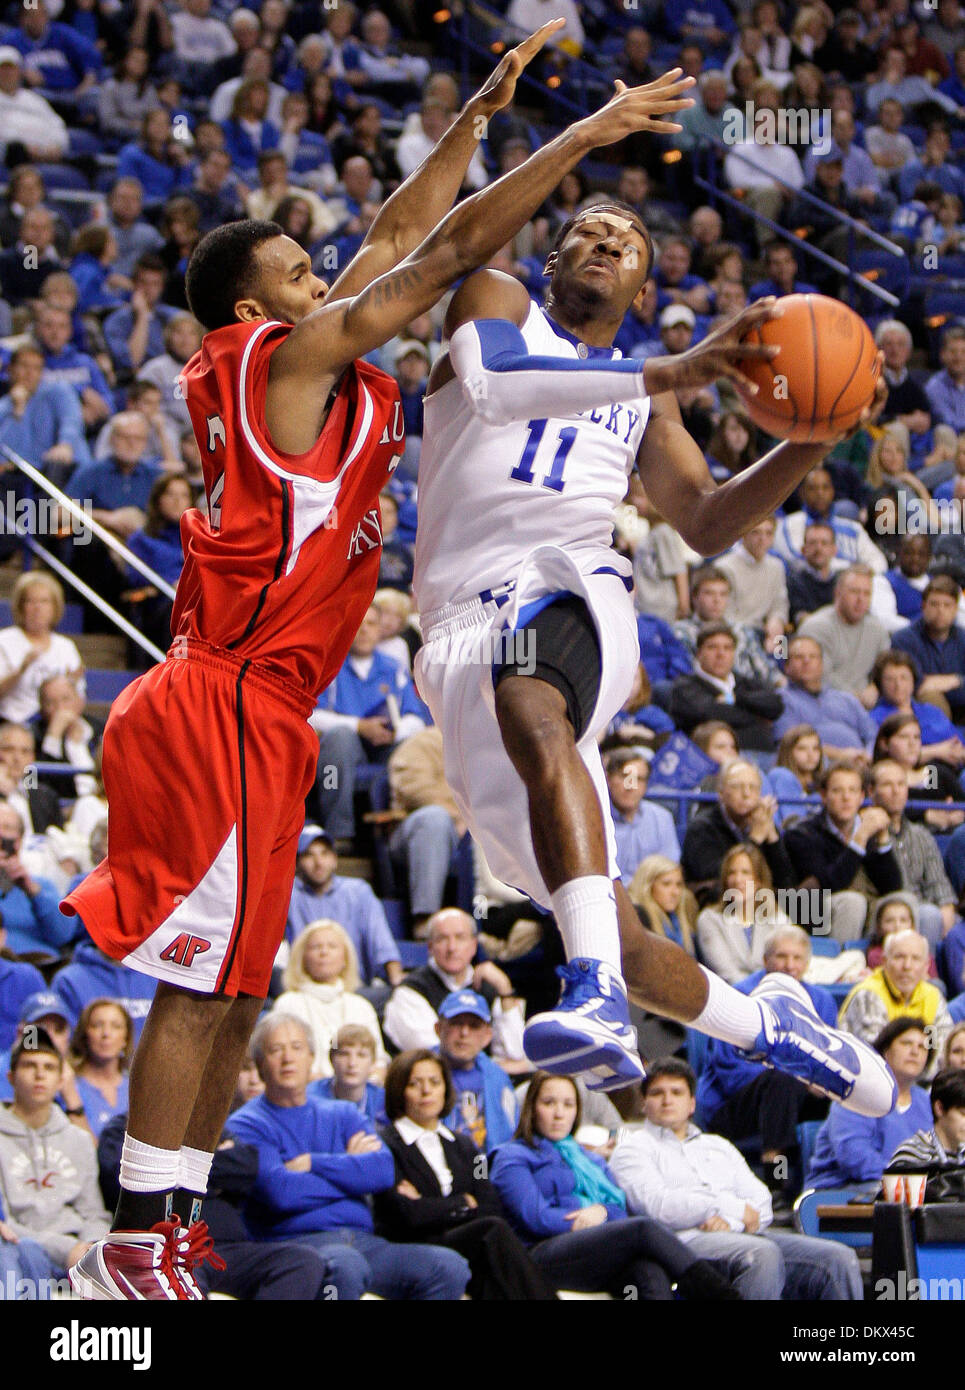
523	472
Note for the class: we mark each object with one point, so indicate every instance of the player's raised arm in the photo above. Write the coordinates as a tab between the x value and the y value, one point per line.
415	208
334	335
709	517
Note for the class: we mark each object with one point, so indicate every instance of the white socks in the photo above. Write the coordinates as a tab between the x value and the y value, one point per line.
586	914
195	1167
145	1168
729	1015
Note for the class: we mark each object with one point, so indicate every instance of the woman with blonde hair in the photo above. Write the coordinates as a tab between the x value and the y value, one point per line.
888	463
668	909
732	932
320	980
30	651
399	640
664	905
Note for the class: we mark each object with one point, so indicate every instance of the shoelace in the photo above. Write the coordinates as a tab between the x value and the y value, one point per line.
170	1255
197	1247
578	985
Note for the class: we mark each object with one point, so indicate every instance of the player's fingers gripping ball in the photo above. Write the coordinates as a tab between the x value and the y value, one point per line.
824	377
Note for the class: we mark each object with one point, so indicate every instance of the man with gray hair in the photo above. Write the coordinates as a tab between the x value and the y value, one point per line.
899	988
907	401
740	814
705	119
413	1011
318	1161
739	1098
850	638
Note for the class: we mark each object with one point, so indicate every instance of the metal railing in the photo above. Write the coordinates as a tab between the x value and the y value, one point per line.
11	525
717	150
666	796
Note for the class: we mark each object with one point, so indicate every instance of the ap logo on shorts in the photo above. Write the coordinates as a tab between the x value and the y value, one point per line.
184	948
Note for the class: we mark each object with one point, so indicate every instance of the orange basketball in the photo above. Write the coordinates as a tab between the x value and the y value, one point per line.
823	377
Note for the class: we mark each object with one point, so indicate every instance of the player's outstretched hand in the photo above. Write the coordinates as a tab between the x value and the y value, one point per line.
639	108
497	91
717	355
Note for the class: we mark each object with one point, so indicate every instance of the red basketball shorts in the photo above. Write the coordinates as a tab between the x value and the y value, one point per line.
206	765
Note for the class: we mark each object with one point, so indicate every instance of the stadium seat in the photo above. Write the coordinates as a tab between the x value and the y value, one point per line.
698	1046
394	909
806	1213
883	269
57	176
825	946
104	686
807	1133
413	954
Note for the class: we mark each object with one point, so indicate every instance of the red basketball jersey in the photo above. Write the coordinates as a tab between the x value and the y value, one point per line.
285	564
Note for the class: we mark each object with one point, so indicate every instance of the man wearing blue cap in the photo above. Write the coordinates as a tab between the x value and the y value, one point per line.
486	1108
319	891
45	1011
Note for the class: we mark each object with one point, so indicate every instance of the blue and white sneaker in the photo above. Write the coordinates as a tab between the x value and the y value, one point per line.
589	1032
795	1040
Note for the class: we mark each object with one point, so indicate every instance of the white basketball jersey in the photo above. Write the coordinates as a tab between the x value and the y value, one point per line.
490	494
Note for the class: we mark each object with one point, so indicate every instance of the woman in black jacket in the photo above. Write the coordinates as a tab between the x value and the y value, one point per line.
440	1195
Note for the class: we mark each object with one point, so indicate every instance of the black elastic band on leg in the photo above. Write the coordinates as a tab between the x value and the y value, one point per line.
561	647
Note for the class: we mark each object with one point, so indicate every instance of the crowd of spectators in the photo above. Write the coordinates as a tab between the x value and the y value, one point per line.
810	682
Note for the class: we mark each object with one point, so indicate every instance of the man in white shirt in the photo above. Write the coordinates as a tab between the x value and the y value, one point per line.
198	36
700	1186
422	132
761	166
26	116
530	14
412	1012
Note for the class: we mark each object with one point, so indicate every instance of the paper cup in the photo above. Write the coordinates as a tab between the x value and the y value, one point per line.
915	1189
893	1187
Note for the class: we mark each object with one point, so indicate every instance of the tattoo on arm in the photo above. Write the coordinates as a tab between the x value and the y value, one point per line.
395	286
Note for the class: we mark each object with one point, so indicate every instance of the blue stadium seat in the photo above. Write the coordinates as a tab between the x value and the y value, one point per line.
824	946
104	686
394	910
64	176
84	142
697	1045
806	1214
807	1133
413	954
883	269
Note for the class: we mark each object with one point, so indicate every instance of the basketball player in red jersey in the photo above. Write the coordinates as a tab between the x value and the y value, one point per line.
209	756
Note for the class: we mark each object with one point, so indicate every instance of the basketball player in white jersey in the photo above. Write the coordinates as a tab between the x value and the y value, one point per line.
533	423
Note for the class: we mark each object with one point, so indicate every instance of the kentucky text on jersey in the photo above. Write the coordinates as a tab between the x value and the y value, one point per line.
609	416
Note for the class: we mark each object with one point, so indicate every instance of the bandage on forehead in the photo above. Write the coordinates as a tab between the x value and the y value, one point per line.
609	219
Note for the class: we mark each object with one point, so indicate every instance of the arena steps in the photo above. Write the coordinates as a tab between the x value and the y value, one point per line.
353	866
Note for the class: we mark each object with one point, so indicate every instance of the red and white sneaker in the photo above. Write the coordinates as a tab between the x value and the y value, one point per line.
145	1265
